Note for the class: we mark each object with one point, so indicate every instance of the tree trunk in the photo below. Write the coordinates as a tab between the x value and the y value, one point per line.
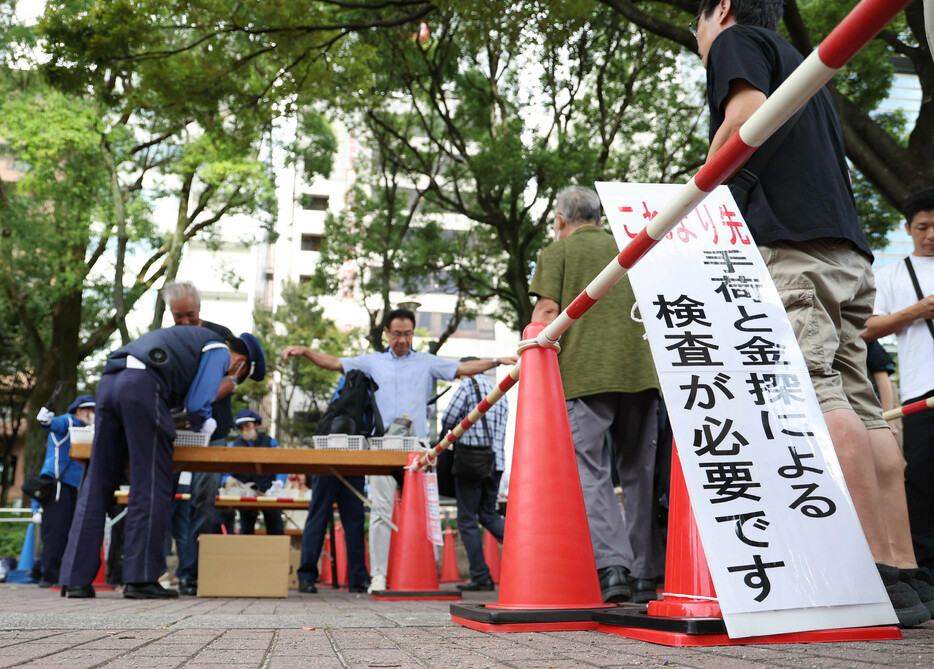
175	248
59	363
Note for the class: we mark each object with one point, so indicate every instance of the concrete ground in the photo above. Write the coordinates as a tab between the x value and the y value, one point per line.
338	629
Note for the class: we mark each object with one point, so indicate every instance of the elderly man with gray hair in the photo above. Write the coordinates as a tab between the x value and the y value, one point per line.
611	390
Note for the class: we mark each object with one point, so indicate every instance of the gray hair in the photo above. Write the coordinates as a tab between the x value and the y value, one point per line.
175	290
578	205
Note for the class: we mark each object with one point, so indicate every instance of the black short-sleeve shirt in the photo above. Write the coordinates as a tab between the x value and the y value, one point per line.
804	190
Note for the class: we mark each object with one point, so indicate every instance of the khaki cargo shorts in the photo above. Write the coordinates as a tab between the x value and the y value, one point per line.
828	290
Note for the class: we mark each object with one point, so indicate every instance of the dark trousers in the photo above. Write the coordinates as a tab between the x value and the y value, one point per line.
918	431
273	518
133	425
476	500
195	518
186	569
56	521
325	490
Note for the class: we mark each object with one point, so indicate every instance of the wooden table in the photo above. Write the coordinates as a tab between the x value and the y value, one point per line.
245	460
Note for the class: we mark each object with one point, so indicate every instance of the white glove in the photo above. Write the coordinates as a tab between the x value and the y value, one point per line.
45	416
37	518
209	426
275	487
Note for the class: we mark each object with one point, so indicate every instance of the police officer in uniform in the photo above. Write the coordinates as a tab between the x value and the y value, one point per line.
58	511
141	384
247	423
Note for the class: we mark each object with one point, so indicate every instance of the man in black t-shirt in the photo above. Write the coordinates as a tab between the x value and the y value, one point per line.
802	215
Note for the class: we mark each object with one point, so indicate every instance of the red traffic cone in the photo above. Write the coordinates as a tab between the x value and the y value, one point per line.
449	571
491	555
393	544
324	573
548	573
340	554
100	581
688	613
413	572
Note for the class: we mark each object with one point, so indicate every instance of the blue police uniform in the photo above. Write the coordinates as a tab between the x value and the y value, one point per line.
141	384
58	511
263	482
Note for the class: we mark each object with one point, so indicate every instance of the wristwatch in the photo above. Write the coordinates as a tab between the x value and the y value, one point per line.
495	362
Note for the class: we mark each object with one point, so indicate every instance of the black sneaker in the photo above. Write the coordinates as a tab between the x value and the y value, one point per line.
922	582
908	607
307	587
188	588
357	588
148	591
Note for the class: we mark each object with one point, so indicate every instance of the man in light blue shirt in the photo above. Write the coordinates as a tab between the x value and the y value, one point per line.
405	380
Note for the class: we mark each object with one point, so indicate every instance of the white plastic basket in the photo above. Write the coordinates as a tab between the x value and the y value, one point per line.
85	435
81	435
189	438
347	442
394	444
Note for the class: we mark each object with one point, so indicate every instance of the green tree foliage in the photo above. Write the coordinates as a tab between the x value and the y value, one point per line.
99	146
502	108
305	388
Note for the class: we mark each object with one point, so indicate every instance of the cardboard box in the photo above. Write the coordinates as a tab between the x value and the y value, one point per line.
243	566
295	561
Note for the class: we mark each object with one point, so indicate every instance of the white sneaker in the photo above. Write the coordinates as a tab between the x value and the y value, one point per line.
377	584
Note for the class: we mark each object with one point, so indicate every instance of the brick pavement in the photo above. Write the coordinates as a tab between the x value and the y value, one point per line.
336	629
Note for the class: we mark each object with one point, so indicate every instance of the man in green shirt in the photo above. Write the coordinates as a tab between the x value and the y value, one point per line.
610	385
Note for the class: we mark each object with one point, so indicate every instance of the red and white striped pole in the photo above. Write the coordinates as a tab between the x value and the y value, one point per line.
909	409
492	398
844	41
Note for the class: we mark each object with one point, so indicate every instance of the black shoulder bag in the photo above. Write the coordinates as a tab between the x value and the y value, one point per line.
41	487
475	462
914	282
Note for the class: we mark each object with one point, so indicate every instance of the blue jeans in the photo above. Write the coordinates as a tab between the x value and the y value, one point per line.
476	500
324	490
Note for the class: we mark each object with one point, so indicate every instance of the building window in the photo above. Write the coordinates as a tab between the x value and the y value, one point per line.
311	242
314	202
435	323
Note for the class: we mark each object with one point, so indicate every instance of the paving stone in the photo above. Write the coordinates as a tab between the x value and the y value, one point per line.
40	630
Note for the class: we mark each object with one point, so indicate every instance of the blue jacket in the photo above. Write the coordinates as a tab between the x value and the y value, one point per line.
58	463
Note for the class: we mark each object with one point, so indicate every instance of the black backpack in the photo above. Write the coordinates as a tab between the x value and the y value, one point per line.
353	410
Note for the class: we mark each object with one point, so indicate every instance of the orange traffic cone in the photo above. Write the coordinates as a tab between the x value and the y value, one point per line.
449	571
692	616
491	555
413	572
548	572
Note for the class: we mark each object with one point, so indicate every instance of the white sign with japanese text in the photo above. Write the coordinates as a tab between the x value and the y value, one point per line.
432	508
781	536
